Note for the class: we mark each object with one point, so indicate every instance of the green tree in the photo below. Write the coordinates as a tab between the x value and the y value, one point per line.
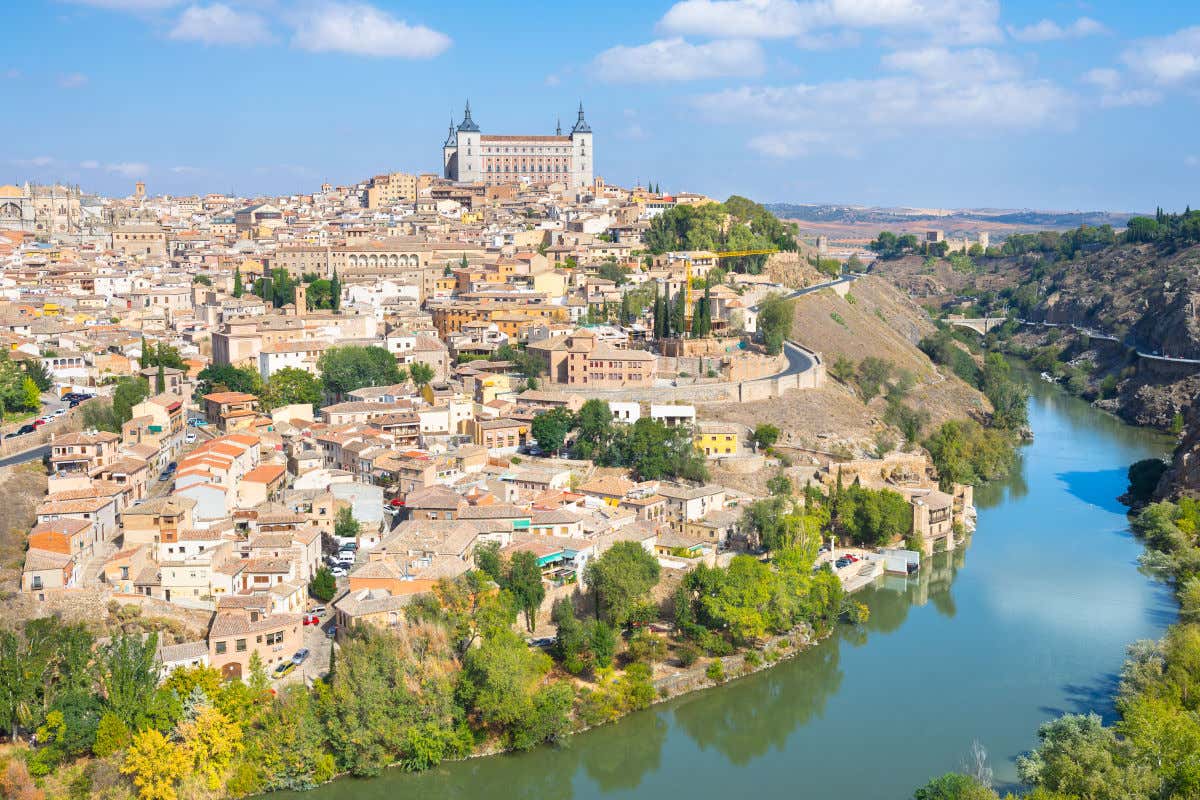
1144	476
953	786
323	585
765	435
335	293
420	372
290	385
873	374
227	378
525	582
622	576
550	429
41	376
238	288
345	526
128	677
775	322
344	369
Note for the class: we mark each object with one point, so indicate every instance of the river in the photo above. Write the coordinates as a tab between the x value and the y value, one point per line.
1029	621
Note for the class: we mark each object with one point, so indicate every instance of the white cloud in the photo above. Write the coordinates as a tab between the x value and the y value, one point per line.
128	169
89	164
36	161
952	66
1169	59
220	24
1130	97
73	80
362	29
678	60
128	5
1048	30
964	21
1104	77
186	170
857	110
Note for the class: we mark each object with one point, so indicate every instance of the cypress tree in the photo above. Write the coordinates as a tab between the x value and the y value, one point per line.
238	289
335	292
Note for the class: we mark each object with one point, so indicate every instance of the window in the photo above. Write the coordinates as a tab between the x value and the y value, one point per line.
220	648
240	645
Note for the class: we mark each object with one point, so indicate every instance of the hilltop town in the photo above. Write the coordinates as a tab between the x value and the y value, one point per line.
259	426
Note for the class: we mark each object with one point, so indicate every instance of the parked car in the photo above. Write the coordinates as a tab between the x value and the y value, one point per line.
24	429
843	562
318	610
190	438
39	422
166	476
312	619
331	631
351	546
300	655
172	467
59	412
339	572
542	642
284	669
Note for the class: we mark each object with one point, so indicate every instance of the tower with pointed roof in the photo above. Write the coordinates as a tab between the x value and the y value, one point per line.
471	156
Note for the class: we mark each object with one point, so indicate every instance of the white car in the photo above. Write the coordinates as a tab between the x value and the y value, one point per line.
190	438
339	572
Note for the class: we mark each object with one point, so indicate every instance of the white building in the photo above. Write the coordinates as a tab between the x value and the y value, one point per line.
470	156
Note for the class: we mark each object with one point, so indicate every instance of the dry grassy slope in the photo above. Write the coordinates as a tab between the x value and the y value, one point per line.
880	322
22	487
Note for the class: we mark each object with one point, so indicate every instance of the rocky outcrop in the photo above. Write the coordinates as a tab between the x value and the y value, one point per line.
1182	478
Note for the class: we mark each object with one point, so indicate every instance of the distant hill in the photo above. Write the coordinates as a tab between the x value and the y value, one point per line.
842	217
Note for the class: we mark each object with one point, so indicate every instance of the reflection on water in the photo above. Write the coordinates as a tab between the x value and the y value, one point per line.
1027	621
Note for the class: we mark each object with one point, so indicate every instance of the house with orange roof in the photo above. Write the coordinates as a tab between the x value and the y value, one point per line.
230	411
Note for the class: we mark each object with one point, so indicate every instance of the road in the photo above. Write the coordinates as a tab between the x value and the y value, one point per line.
816	287
35	454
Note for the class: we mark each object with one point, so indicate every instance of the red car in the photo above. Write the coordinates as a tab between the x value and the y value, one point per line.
852	558
312	619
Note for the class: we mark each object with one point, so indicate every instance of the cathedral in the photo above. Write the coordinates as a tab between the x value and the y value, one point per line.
471	156
50	210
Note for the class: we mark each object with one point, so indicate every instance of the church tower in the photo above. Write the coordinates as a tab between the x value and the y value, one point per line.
582	157
469	153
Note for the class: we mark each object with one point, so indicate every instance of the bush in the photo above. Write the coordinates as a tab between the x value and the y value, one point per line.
687	654
715	672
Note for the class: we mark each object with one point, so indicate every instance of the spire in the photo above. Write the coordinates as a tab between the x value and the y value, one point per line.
451	137
581	125
558	126
468	124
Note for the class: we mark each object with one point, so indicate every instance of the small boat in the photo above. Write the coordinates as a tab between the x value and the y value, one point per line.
1048	378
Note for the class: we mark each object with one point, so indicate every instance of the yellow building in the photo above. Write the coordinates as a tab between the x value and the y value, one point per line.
716	440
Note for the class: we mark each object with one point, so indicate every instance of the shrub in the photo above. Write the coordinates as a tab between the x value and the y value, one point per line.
715	672
687	654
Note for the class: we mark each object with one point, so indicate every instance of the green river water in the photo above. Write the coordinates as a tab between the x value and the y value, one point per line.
1029	621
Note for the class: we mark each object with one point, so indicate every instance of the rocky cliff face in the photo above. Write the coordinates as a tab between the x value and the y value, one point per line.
1183	476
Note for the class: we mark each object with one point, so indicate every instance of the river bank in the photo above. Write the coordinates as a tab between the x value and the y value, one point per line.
986	643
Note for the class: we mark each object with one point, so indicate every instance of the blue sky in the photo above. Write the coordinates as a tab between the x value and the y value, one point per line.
1001	103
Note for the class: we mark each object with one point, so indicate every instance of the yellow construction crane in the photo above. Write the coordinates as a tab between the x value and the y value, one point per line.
740	253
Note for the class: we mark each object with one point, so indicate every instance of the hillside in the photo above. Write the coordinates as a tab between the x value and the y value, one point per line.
1144	295
876	320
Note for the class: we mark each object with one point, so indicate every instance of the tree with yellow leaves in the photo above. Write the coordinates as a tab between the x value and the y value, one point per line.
211	741
156	764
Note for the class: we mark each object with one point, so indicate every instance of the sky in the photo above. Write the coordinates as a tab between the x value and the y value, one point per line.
921	103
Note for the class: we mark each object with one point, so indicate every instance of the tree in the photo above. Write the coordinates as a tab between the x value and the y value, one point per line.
344	369
289	386
873	374
335	293
156	765
953	786
238	288
775	322
160	380
112	735
345	526
550	429
41	376
227	378
129	392
489	561
323	585
647	647
33	396
765	435
320	294
525	582
128	677
595	424
619	578
1144	476
211	741
420	372
679	313
842	369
